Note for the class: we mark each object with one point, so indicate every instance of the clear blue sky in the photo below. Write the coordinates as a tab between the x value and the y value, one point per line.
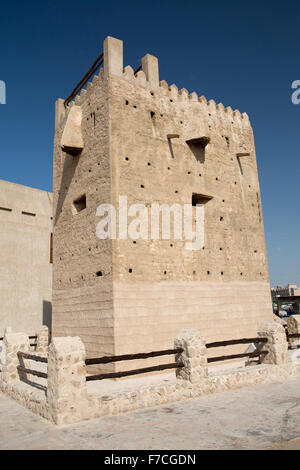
243	54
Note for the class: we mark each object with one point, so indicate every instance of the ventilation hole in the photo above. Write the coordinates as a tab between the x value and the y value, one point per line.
142	186
126	158
223	200
241	274
98	164
161	115
169	168
171	101
255	251
134	106
189	172
90	170
171	245
152	114
99	274
208	273
176	192
165	272
200	174
151	93
126	102
90	249
222	273
181	122
235	182
209	114
221	219
134	242
221	249
130	270
217	179
149	164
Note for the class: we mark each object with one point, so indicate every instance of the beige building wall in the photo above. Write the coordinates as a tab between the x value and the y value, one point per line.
25	268
151	288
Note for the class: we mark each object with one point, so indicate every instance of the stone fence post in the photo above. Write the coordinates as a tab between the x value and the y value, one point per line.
293	327
193	356
42	342
276	346
67	393
13	343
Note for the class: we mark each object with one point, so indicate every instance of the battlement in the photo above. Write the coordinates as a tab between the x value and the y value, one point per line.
147	77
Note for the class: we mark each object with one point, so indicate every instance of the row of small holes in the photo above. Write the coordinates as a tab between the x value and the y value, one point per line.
171	245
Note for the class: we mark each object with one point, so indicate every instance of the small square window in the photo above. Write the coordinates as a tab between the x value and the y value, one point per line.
79	204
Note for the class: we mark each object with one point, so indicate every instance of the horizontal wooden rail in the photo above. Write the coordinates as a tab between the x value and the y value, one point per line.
144	370
236	356
236	341
130	357
32	357
293	335
30	337
33	372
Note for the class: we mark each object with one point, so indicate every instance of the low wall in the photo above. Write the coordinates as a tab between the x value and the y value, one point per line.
65	397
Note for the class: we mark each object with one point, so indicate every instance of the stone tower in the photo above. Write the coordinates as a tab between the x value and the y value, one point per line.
131	135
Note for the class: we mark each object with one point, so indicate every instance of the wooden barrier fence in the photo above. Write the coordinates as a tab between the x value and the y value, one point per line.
22	355
130	357
236	356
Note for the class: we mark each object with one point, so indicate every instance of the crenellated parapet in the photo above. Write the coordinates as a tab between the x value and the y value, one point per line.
147	77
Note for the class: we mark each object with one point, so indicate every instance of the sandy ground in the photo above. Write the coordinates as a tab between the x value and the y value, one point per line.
249	418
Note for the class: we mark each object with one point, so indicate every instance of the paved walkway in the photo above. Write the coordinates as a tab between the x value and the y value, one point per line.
250	418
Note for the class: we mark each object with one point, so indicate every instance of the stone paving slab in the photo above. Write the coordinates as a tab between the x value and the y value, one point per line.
249	418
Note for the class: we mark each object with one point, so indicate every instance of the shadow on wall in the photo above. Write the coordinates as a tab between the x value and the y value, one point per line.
70	164
47	315
199	152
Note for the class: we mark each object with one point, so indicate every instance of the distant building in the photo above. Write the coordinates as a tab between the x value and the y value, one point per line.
290	290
